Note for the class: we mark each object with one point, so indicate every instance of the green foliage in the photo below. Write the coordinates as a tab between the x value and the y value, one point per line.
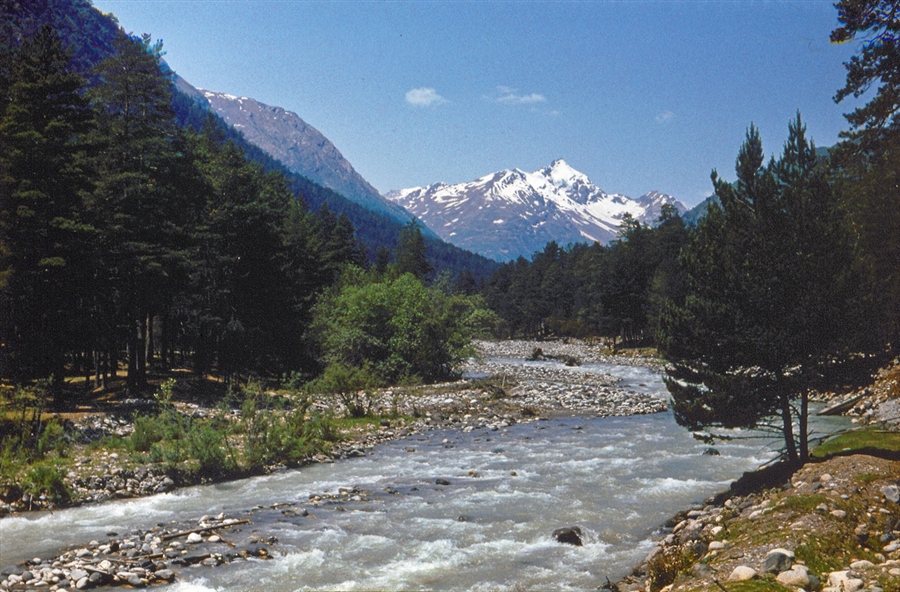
391	331
43	184
409	255
769	276
591	291
352	385
877	24
282	437
49	480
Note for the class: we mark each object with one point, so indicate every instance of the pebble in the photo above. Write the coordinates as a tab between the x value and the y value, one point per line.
124	566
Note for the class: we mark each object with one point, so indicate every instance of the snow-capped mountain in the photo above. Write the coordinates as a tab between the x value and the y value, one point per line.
300	147
511	213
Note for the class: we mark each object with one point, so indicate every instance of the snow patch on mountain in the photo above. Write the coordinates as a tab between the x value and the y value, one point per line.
514	213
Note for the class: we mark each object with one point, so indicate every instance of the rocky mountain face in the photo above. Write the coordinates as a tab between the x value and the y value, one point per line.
301	148
514	213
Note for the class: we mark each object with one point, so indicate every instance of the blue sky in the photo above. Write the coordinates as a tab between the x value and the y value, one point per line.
638	95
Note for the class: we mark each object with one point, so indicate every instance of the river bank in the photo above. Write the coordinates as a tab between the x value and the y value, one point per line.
328	505
503	395
833	525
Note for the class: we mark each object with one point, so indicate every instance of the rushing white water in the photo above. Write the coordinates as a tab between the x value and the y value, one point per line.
490	529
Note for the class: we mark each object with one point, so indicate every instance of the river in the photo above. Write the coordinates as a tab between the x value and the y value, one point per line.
491	528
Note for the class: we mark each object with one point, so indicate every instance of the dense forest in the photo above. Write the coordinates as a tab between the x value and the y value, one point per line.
138	229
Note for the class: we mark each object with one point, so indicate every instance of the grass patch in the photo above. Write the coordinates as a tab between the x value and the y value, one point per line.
863	441
866	478
824	552
804	503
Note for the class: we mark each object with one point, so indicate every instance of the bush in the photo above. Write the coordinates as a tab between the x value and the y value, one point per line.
352	385
147	431
206	445
396	329
48	480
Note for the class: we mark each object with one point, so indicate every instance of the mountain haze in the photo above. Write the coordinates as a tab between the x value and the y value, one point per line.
514	213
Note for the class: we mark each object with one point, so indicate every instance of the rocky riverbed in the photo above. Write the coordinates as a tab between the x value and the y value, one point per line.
516	394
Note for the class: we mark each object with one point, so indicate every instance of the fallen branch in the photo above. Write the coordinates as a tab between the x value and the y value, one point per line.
175	535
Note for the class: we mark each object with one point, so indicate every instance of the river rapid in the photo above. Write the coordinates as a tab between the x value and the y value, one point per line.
487	526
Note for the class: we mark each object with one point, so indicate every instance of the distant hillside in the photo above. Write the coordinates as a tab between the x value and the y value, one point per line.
301	148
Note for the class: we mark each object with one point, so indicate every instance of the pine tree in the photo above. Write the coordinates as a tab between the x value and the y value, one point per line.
43	181
410	253
868	162
769	285
138	205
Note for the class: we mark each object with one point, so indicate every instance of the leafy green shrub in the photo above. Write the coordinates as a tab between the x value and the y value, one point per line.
206	445
352	385
46	479
147	431
52	438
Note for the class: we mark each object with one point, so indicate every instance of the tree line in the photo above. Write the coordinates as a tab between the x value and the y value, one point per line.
791	278
125	237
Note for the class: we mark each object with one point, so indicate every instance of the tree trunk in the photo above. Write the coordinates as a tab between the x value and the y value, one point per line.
148	340
804	426
787	428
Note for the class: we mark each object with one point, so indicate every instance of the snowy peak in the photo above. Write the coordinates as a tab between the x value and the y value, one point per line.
514	213
562	175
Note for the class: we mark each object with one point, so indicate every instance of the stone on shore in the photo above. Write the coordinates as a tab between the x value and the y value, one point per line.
777	561
797	578
742	573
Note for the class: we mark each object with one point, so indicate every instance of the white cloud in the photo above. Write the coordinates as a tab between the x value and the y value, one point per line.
511	96
424	97
664	117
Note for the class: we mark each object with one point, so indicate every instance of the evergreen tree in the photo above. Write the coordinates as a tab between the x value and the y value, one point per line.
769	285
44	179
410	253
877	23
139	206
868	164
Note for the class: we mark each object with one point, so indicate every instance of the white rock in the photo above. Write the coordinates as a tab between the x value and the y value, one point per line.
716	546
863	564
742	573
842	581
839	514
793	577
194	538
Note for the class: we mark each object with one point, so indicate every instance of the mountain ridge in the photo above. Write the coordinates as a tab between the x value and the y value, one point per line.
512	213
300	147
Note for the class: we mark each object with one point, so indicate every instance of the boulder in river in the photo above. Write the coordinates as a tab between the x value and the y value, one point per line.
570	535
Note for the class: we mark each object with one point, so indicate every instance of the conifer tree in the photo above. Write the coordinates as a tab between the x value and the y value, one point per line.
410	253
769	285
44	178
868	163
138	206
